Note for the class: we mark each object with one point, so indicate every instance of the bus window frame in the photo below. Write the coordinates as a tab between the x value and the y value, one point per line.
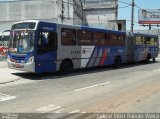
79	40
100	39
45	49
156	43
113	40
140	42
75	37
121	39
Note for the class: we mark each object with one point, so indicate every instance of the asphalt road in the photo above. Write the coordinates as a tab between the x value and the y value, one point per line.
129	89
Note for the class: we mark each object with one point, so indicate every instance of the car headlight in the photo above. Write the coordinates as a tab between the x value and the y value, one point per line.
31	59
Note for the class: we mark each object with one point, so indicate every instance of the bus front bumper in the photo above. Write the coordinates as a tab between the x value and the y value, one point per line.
29	67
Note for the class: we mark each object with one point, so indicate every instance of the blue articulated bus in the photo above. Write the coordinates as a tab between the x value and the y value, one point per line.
41	46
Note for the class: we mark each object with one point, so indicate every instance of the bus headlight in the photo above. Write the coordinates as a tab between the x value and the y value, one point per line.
31	59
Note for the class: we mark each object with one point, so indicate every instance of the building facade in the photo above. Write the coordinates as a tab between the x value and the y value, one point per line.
99	13
59	11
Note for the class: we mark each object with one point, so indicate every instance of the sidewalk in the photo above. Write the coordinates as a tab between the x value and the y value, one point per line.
3	64
6	74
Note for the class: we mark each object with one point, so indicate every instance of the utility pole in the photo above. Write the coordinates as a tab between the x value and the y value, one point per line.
150	27
62	12
116	1
132	16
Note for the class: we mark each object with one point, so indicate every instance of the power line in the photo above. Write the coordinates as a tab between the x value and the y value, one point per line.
135	5
125	6
129	4
124	2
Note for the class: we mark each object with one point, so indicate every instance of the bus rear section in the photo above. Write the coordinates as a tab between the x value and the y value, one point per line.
146	47
141	47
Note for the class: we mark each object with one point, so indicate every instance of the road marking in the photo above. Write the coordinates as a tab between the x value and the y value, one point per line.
156	70
48	108
75	111
83	112
18	82
4	97
100	84
58	111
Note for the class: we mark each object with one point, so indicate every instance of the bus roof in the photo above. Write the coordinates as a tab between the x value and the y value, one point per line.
141	34
80	26
84	27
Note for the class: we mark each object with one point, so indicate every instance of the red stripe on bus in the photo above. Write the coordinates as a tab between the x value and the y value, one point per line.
103	57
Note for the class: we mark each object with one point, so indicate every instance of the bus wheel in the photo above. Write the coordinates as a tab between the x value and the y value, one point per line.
154	59
66	67
148	58
117	62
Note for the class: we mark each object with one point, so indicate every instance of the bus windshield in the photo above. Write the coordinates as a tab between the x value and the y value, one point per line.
21	41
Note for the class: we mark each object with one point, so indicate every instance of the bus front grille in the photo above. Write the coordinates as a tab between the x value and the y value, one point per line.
18	57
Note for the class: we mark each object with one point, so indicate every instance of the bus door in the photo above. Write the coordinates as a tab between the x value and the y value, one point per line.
46	52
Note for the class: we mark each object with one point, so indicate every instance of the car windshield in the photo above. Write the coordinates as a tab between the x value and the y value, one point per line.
21	41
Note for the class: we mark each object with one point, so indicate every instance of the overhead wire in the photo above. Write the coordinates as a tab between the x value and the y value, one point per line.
138	8
124	2
125	6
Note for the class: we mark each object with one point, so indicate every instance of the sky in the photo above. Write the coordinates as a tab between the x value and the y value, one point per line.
6	0
125	13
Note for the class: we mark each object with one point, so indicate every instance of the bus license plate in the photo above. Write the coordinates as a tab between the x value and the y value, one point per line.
18	66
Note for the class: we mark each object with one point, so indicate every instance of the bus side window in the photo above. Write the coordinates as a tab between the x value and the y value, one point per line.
52	42
148	41
156	41
84	37
107	39
121	40
113	39
47	41
68	36
99	38
138	40
152	41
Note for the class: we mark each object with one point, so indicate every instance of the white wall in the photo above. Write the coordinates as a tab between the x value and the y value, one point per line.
11	12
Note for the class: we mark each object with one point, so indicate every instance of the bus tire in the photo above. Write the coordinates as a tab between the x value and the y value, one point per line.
66	67
117	62
148	58
154	59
